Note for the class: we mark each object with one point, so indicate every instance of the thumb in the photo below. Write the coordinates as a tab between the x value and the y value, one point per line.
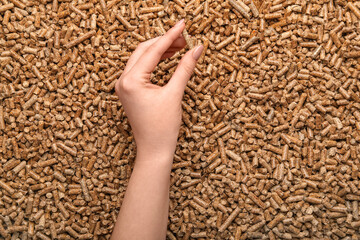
184	70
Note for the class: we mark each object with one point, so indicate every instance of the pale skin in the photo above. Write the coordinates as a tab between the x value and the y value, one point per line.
154	114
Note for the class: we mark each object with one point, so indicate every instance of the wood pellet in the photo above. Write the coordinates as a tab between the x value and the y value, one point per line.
269	147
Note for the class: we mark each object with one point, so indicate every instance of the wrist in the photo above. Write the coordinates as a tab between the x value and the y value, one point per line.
165	155
156	147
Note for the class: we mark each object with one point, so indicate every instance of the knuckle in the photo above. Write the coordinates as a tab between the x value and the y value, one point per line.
156	51
127	85
188	68
171	35
117	87
189	63
153	48
143	45
140	46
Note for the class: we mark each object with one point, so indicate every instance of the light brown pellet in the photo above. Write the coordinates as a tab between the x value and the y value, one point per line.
351	6
188	39
229	220
6	7
2	122
239	8
6	187
80	39
123	21
225	42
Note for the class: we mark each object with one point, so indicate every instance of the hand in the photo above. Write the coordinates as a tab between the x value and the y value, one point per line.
154	112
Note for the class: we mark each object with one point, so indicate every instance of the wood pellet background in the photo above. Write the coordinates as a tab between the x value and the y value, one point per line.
269	148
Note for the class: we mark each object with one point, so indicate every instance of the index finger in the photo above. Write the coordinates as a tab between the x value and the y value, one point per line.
151	57
177	45
137	53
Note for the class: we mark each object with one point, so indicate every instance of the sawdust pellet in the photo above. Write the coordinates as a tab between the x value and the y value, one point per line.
269	147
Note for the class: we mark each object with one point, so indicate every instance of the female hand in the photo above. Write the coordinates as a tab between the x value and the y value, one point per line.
154	112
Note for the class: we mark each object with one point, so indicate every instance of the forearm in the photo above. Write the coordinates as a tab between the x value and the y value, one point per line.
144	211
154	113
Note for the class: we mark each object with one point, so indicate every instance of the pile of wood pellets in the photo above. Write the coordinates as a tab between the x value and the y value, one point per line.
269	148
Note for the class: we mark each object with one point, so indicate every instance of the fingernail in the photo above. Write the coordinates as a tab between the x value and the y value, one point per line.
179	23
197	52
